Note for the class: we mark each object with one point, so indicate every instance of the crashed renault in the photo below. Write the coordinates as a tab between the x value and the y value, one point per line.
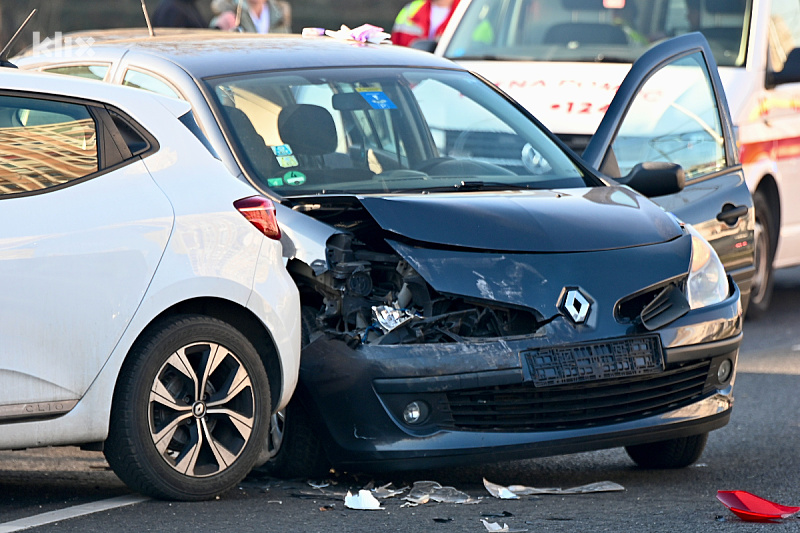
472	290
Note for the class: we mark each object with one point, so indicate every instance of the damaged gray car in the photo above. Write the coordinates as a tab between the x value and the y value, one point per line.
472	290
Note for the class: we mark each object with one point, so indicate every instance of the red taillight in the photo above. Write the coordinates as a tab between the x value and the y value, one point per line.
261	213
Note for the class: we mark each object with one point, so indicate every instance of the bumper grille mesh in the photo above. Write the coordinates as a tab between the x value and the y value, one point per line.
524	407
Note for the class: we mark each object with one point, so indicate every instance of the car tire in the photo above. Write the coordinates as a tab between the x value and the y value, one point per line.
169	440
763	279
673	453
295	449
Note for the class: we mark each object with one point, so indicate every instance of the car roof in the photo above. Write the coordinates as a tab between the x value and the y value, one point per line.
215	53
125	98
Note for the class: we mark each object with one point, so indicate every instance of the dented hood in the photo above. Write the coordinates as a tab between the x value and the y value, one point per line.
572	220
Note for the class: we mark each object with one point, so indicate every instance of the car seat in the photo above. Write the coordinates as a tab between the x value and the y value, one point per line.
310	132
258	155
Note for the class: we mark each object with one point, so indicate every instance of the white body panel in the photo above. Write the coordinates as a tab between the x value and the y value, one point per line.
175	239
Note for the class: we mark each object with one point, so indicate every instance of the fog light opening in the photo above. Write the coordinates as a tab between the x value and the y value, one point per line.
724	371
415	413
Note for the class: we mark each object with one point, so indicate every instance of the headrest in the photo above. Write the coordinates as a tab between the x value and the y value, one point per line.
308	129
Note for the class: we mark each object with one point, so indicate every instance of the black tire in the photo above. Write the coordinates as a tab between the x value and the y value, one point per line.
765	239
295	448
674	453
156	398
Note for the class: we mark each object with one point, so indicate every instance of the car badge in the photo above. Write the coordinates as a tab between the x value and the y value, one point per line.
575	303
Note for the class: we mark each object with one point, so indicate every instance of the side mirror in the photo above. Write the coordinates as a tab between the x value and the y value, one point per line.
790	72
424	45
655	179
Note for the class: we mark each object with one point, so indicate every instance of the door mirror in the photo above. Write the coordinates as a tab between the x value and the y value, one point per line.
790	72
656	178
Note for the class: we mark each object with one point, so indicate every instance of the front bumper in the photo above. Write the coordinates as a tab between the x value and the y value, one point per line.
482	401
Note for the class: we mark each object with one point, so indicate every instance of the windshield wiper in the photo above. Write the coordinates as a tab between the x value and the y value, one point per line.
472	185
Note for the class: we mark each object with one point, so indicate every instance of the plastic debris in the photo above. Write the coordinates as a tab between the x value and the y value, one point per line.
363	501
491	526
513	492
752	508
366	33
386	491
424	491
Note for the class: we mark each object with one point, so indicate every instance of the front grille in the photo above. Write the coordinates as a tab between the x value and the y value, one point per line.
524	407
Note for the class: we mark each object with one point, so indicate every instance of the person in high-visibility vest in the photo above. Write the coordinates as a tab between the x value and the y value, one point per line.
422	19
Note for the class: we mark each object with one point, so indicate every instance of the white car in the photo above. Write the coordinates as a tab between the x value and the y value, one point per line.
146	308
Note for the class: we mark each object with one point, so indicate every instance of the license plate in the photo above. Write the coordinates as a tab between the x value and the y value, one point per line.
575	363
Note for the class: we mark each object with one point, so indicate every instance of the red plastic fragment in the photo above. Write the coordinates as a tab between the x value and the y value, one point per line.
752	508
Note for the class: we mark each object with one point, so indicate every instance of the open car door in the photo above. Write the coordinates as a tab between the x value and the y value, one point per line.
671	108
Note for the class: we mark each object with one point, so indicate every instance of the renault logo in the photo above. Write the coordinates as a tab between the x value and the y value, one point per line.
576	304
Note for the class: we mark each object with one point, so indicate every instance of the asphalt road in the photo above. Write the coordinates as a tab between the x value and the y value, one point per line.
757	451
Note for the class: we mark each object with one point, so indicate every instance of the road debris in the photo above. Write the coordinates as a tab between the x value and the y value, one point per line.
387	491
752	508
494	527
424	491
513	492
363	501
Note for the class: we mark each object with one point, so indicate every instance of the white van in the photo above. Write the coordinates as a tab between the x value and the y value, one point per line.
565	59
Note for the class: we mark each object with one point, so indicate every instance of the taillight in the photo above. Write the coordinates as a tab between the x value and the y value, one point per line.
261	213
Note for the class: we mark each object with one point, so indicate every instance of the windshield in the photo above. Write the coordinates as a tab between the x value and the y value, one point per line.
596	30
379	130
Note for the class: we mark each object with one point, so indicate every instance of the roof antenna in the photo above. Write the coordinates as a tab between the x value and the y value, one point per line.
4	62
147	20
238	21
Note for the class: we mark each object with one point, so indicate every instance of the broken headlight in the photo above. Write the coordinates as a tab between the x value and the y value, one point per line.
707	283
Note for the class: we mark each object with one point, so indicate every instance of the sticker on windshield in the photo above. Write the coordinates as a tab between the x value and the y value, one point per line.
377	99
293	177
287	161
275	182
282	150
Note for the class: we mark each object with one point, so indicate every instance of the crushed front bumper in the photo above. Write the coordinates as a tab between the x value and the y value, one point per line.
493	400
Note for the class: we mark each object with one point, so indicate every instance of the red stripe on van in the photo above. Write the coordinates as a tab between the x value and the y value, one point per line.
777	149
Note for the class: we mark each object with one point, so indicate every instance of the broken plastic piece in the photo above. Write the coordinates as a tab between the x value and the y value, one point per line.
425	491
515	491
752	508
491	526
386	491
363	501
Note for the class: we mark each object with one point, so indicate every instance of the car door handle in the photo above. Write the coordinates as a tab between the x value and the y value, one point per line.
732	214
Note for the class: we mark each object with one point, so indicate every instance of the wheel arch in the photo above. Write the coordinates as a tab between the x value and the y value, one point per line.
240	318
768	187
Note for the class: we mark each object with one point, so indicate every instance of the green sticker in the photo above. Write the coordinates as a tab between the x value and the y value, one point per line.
294	177
287	161
275	182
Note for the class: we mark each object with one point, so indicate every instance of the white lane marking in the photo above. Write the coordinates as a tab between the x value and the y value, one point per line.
71	512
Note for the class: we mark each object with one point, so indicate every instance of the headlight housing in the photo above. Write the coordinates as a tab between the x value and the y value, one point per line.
708	282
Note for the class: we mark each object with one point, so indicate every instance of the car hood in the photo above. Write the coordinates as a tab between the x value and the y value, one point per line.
572	220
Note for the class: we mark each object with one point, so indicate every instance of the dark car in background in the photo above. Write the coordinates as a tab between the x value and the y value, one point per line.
471	289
